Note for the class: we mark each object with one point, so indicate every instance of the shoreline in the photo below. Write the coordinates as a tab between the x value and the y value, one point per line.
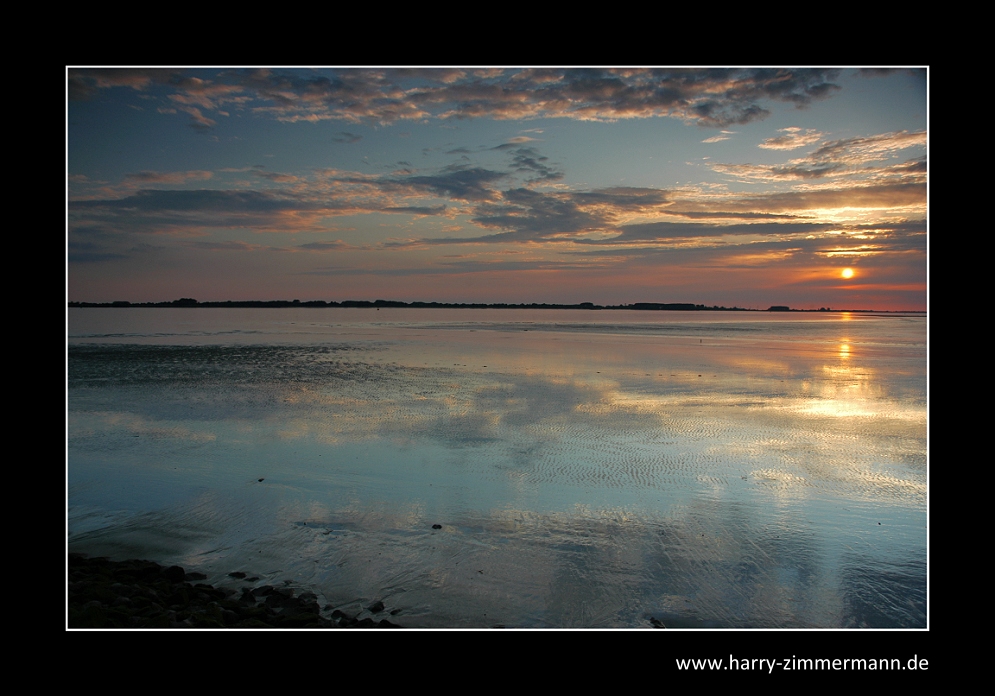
102	593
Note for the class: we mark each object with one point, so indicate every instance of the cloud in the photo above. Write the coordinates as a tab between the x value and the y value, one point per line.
792	139
662	231
528	215
467	184
475	266
845	157
345	137
528	159
848	200
881	72
173	178
349	95
715	97
300	209
188	212
416	209
742	246
722	214
871	148
914	167
624	198
508	205
230	245
84	83
188	94
462	267
800	169
711	97
719	138
91	252
198	120
881	197
203	200
325	246
206	94
276	176
535	215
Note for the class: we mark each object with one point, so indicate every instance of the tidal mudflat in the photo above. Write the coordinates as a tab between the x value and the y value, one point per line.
546	468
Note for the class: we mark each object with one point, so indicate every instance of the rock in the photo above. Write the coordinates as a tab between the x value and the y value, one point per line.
143	594
174	574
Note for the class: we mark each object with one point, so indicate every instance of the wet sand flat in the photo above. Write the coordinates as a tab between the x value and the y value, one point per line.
518	468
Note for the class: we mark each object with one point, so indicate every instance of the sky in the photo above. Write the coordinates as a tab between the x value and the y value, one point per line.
745	187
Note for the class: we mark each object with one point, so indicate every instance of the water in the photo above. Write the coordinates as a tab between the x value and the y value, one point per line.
587	468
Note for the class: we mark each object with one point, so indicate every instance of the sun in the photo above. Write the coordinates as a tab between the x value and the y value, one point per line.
847	273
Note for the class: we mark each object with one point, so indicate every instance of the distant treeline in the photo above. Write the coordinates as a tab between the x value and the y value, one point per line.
276	304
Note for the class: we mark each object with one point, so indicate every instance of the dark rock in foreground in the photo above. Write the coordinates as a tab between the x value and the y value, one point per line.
143	594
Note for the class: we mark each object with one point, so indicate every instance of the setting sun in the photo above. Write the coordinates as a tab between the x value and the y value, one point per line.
847	273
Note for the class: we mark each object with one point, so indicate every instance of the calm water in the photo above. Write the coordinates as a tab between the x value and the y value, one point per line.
587	468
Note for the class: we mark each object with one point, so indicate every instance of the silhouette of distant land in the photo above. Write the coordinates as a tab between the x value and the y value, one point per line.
645	306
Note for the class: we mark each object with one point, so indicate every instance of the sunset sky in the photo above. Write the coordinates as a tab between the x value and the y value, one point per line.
744	186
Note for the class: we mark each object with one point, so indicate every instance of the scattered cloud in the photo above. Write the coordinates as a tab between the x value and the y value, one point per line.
716	97
276	176
724	135
851	157
792	139
85	83
460	183
528	159
857	151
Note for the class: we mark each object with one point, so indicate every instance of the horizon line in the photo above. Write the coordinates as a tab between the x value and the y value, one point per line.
422	304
